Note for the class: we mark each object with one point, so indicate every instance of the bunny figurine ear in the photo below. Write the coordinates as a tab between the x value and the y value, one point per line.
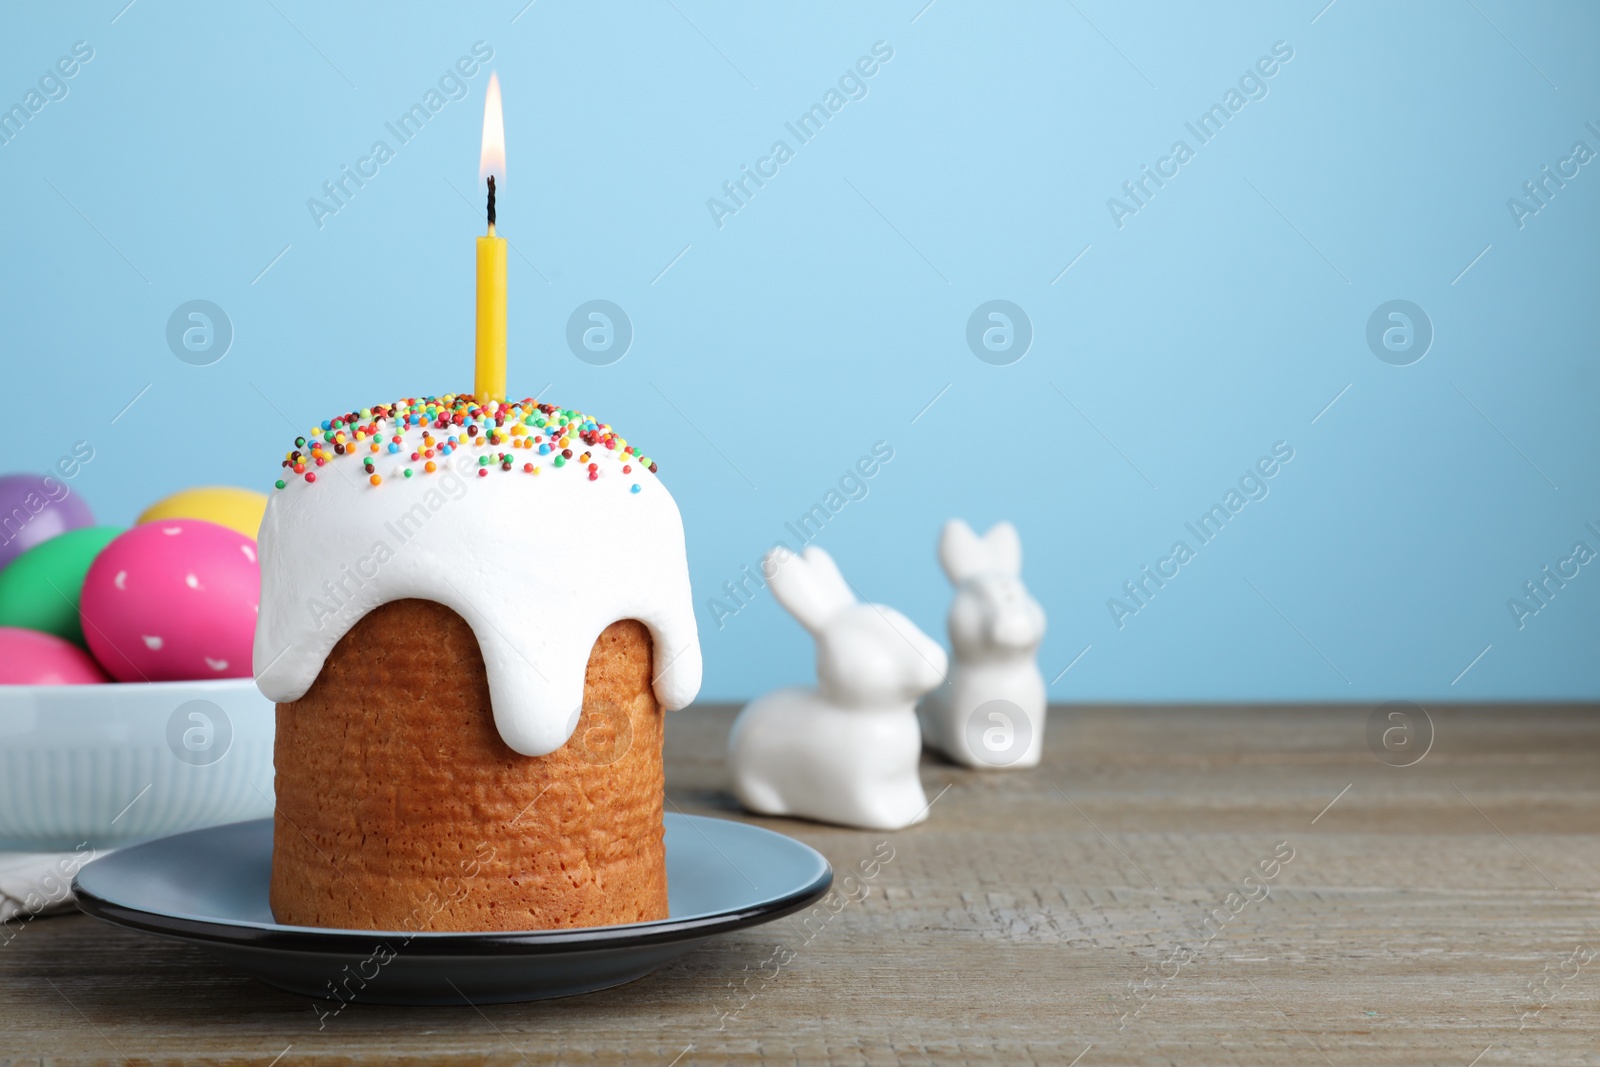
1004	549
809	586
960	552
966	555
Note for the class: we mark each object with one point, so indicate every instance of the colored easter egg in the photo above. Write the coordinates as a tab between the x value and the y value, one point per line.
28	657
173	600
237	509
35	508
39	590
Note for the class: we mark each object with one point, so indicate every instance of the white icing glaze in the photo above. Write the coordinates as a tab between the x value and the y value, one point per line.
537	564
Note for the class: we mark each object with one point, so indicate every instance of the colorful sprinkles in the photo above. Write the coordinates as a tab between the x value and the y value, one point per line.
457	421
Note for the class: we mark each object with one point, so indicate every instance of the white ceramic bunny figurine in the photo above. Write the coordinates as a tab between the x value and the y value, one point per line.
992	712
847	751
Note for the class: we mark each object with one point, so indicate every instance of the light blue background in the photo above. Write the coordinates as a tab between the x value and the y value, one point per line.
829	311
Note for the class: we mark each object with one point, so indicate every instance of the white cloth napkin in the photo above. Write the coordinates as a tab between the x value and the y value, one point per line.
38	883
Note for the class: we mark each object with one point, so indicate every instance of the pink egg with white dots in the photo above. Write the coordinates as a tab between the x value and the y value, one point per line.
172	601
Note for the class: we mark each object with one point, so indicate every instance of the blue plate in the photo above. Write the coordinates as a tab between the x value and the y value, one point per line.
209	888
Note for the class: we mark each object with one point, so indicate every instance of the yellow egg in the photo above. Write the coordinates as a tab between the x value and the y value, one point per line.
237	509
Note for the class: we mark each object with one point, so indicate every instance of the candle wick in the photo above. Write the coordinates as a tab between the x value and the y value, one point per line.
491	203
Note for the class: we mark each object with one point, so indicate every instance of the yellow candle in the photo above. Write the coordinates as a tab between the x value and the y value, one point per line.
491	350
490	362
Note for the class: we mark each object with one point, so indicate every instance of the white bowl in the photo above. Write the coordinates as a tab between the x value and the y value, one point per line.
105	765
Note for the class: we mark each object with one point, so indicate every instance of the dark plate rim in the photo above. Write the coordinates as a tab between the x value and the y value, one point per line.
497	943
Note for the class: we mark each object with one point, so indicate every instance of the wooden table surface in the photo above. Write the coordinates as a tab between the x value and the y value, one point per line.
1442	913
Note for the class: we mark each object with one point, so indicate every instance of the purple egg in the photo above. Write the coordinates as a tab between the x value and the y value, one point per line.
35	508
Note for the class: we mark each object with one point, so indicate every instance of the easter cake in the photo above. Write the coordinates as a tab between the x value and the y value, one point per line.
472	618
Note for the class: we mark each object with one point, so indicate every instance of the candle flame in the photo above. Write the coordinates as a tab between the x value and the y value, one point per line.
493	159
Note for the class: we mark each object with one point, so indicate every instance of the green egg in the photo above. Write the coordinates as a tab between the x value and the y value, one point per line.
39	590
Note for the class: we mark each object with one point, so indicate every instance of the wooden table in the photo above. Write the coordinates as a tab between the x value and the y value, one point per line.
1442	913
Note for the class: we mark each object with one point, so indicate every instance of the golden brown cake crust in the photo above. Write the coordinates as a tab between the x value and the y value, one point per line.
400	808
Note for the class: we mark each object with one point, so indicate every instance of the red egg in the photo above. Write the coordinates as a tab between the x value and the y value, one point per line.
173	601
29	657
